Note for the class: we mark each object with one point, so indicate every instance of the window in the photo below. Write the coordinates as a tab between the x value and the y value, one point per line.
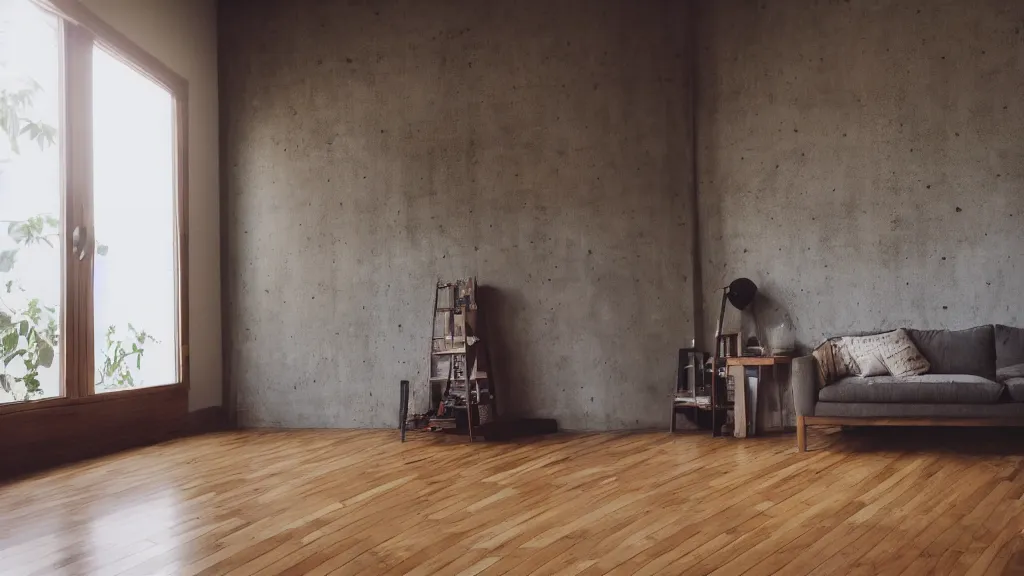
30	203
92	193
133	215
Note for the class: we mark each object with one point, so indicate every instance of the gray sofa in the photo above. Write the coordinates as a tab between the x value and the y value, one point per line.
976	379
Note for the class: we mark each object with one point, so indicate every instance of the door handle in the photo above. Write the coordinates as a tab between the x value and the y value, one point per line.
79	241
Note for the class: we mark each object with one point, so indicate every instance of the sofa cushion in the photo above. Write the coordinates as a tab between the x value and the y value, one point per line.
971	351
1015	386
1009	346
924	389
1007	372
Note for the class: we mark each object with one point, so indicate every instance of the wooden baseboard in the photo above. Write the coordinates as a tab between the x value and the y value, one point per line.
45	437
206	420
856	421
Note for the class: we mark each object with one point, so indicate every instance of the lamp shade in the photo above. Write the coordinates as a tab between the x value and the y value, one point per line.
741	292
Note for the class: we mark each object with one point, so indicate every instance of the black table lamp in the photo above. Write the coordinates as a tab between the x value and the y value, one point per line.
740	293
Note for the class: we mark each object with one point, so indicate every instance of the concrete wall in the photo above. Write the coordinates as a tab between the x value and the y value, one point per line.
374	146
183	35
861	161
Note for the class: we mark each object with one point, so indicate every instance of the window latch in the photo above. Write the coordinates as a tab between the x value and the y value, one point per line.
79	241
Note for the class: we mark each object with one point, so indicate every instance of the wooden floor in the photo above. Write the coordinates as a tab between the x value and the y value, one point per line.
359	502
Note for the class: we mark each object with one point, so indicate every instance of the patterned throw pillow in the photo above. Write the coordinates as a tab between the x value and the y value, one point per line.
902	357
832	360
864	351
889	353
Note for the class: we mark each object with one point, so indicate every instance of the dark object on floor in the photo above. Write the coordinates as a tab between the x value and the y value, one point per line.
403	406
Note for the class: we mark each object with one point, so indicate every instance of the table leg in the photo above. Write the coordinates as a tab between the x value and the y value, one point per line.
778	396
753	401
740	402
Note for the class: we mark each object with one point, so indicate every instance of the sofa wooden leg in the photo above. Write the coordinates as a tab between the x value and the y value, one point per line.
801	434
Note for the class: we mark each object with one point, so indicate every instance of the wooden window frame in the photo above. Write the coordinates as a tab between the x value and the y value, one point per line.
81	29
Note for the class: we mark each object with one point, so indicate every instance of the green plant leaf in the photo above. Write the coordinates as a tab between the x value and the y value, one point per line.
23	328
5	383
31	382
14	230
43	134
9	343
102	249
45	358
13	355
7	260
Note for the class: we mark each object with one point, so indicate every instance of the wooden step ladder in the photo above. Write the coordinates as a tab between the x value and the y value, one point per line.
459	377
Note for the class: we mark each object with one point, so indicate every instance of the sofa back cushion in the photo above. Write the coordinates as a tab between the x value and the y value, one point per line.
1009	346
971	351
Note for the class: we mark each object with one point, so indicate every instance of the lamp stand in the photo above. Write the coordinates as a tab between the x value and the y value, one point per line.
716	426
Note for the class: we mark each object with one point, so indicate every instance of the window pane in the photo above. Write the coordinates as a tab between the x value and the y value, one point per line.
30	203
134	211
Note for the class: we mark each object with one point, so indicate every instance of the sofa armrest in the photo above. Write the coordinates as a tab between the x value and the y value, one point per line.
805	386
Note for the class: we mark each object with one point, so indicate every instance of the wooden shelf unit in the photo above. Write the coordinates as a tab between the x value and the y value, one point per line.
459	364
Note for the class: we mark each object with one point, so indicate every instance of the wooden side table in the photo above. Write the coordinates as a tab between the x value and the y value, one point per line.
749	395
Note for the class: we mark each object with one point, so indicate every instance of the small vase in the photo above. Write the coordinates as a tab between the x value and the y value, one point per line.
780	337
